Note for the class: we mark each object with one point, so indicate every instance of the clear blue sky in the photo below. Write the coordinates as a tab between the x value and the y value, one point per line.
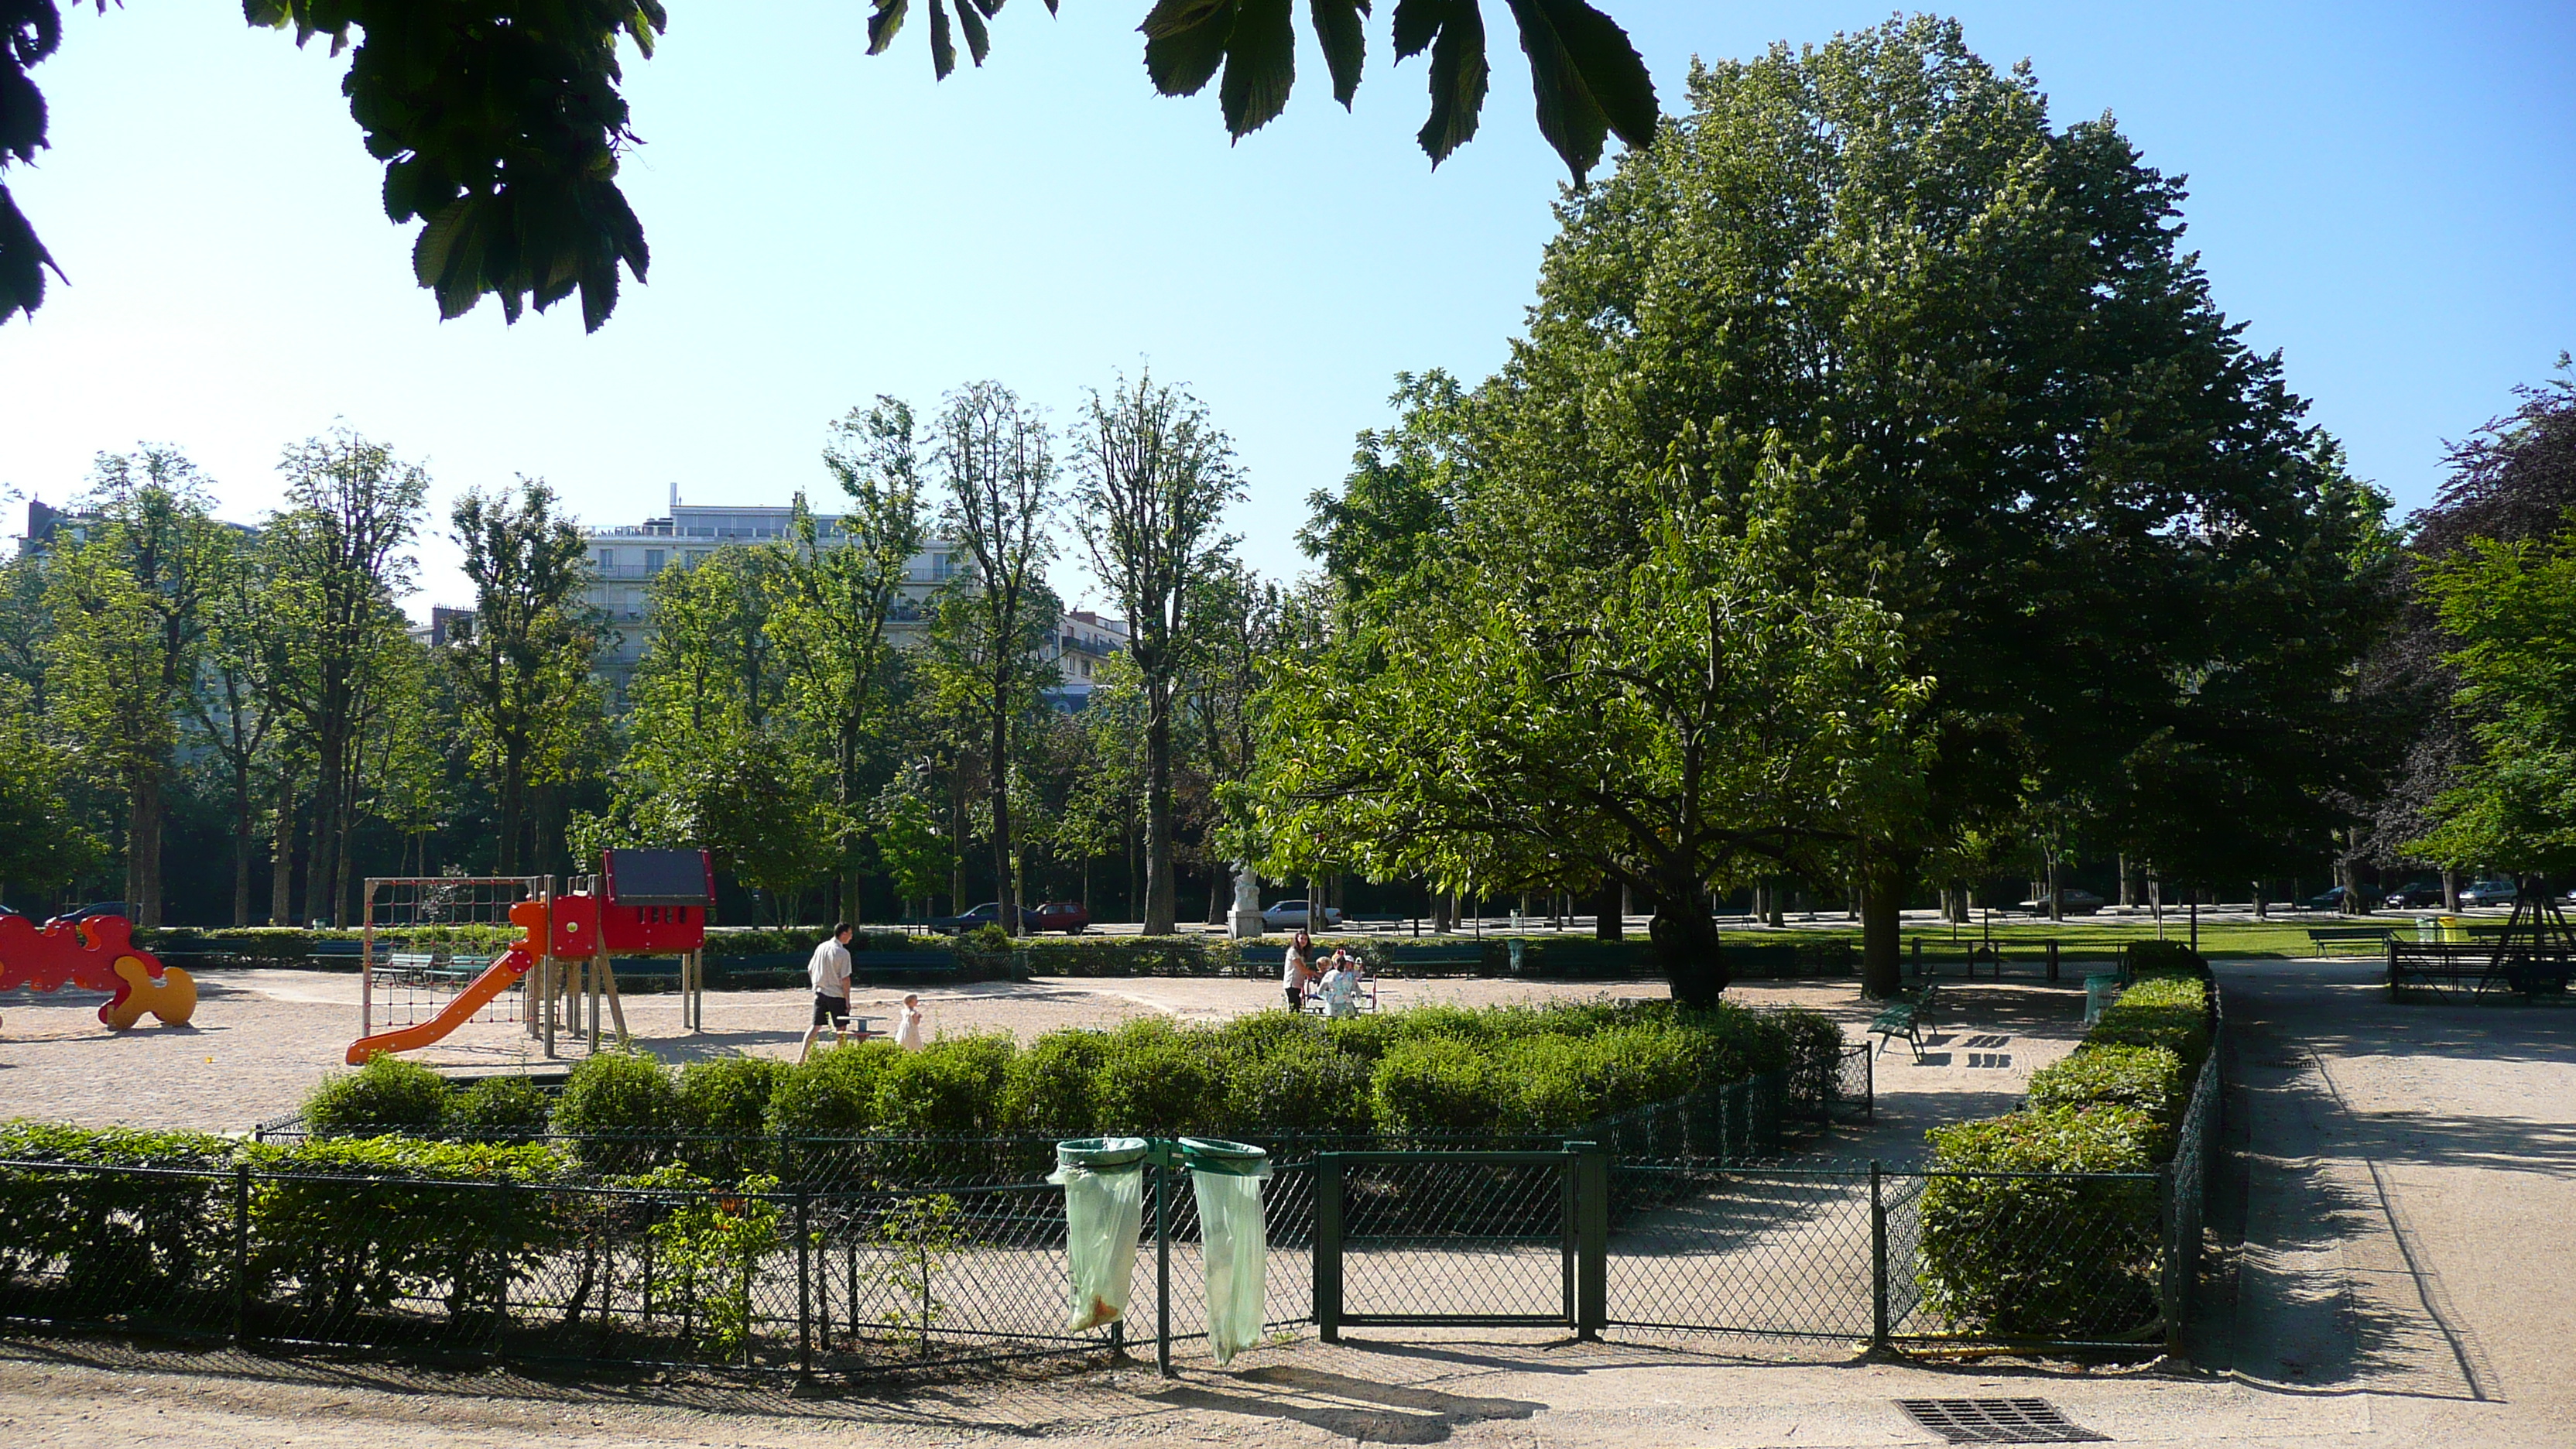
2386	194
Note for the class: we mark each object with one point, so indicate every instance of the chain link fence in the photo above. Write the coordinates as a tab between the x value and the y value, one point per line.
845	1258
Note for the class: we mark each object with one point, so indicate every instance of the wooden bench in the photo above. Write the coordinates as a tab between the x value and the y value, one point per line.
902	963
1908	1016
2467	968
2369	939
1431	958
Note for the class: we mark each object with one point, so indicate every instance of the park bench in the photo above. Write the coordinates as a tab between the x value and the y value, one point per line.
1374	922
1908	1016
2330	939
1465	958
2468	968
902	963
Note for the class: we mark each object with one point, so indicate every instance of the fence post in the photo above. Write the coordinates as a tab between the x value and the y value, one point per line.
1163	1267
2170	1295
241	1251
1591	1168
804	1285
2052	960
1328	1246
1877	1258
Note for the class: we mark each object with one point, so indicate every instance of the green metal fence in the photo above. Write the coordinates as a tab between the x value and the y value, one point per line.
1686	1218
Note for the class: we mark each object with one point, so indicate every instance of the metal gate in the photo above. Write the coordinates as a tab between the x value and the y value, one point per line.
1462	1239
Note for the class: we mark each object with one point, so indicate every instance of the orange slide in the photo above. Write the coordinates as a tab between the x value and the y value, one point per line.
500	976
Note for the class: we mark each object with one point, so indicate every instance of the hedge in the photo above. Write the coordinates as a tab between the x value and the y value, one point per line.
2070	1257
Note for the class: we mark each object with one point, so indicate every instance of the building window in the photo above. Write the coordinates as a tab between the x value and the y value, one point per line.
652	560
608	558
1086	669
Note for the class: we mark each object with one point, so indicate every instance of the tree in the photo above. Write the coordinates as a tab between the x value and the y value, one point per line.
128	608
1702	713
837	592
1153	482
231	708
999	467
916	859
500	121
339	548
523	668
43	844
2017	421
2512	606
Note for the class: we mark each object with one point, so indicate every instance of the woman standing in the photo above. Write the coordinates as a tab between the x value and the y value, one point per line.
1297	970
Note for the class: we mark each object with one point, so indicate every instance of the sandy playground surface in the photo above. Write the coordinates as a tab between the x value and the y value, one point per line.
262	1039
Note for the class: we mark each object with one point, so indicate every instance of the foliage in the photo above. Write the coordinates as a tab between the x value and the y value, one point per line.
113	1236
623	1109
2512	607
363	1223
724	1109
2048	1256
2168	1012
834	1094
916	1237
2149	1079
388	1094
44	844
2147	958
1051	1087
500	1108
713	1243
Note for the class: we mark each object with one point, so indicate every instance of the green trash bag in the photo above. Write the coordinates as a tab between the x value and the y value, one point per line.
1233	1240
1104	1208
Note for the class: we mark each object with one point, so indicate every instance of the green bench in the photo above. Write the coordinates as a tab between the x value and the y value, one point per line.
1466	958
2370	940
1908	1016
902	963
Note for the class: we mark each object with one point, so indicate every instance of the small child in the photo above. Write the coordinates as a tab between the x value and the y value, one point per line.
907	1024
1341	987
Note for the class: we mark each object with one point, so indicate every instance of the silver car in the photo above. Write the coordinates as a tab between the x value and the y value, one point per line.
1292	916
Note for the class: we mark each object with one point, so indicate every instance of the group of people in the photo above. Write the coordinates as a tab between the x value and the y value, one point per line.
1335	979
829	971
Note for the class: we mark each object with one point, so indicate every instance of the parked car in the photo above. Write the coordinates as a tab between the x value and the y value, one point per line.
2074	900
2330	900
95	908
2493	891
1070	917
2415	895
987	914
1293	916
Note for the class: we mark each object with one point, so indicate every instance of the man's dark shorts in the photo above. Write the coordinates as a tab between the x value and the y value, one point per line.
831	1010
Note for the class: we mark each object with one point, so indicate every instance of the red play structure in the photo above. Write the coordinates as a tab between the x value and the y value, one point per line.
95	954
648	903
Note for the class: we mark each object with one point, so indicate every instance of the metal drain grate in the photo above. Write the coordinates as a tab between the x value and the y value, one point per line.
1997	1421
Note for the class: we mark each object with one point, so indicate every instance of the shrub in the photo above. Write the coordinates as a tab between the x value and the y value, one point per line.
832	1095
951	1088
2149	1079
1437	1086
1051	1087
119	1242
1294	1087
724	1108
2169	1012
1815	1047
363	1222
1156	1081
388	1094
2150	958
2050	1256
624	1111
1128	955
498	1107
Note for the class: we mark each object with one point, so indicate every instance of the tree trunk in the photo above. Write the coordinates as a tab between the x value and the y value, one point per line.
956	838
1610	924
281	856
513	808
2451	891
1883	885
1686	945
2056	907
1774	913
143	850
241	842
2128	893
1001	783
1161	897
1443	916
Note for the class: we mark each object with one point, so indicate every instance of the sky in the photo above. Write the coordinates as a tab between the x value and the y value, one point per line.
2382	193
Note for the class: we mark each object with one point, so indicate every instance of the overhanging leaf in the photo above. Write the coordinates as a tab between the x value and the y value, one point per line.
1587	78
1458	77
1185	42
1260	65
1345	43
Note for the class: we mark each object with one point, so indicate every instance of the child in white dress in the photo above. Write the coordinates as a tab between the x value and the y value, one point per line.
907	1025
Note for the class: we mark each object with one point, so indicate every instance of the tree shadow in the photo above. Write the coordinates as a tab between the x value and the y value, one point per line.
1352	1408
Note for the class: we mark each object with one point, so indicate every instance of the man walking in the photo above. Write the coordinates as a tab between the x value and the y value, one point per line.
830	973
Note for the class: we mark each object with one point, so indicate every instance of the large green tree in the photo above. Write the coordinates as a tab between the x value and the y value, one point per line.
2012	414
500	122
2512	607
523	667
1153	478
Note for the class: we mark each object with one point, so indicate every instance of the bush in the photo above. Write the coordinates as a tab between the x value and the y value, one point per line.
388	1094
2051	1256
724	1109
2170	1012
1437	1086
498	1108
1127	955
950	1088
1157	1081
2152	958
1295	1087
2149	1079
362	1223
832	1095
624	1111
1051	1087
114	1242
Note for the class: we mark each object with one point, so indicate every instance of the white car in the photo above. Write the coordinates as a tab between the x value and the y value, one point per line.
1294	916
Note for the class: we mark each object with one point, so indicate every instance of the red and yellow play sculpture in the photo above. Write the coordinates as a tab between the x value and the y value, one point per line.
97	954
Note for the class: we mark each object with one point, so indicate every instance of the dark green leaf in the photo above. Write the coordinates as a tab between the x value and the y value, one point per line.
1416	23
943	51
882	25
979	41
1345	43
1185	41
1458	77
1607	64
1260	65
23	262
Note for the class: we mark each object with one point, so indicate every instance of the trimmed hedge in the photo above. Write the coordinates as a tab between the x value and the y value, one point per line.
2070	1257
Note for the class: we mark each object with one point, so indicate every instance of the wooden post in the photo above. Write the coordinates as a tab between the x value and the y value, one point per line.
608	982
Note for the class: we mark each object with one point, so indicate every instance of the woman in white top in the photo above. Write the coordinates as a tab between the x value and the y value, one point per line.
1297	970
